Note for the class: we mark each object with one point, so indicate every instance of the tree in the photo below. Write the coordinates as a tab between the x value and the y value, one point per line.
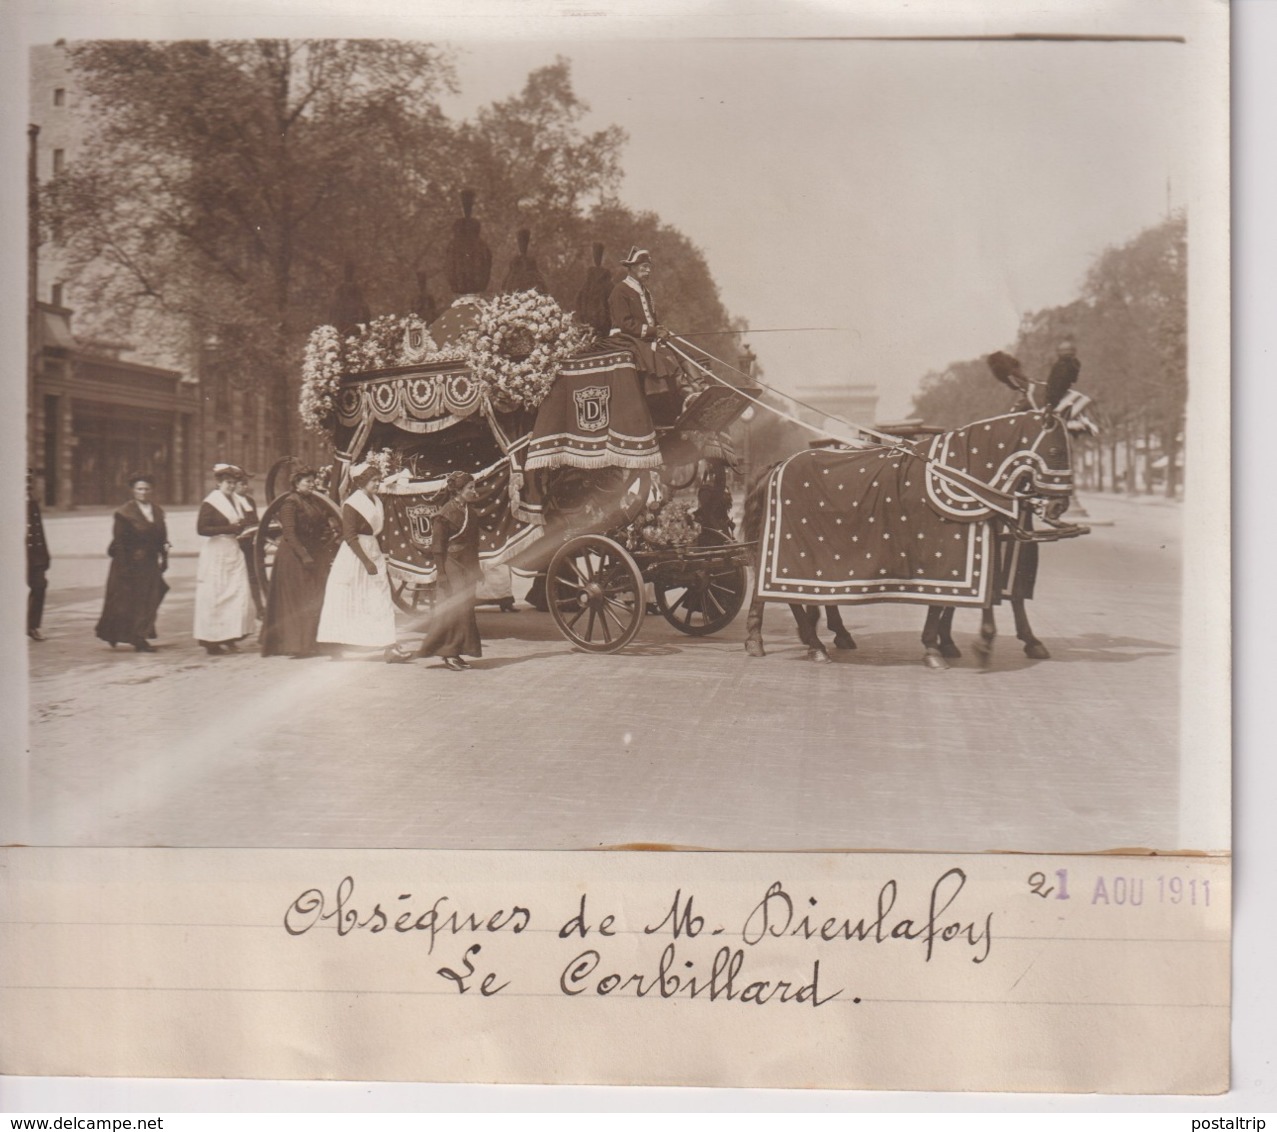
1130	327
225	186
220	180
1137	305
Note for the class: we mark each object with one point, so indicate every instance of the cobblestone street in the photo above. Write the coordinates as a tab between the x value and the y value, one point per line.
674	741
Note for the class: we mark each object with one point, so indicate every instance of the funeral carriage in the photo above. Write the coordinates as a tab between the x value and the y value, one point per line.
578	464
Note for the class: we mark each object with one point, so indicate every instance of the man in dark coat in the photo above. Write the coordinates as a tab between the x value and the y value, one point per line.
634	313
37	563
1063	374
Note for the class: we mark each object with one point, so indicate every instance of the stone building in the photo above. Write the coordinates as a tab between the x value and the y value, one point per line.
97	411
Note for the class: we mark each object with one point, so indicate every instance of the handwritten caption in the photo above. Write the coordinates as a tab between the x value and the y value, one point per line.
600	951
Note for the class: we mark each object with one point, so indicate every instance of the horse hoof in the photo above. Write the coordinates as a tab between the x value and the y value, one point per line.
1036	650
754	648
950	652
844	641
818	656
935	661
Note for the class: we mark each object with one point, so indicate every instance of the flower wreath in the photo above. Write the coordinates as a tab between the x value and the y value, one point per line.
517	344
669	525
379	344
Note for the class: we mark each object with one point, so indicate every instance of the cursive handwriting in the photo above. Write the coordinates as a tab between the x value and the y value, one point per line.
312	907
775	916
723	982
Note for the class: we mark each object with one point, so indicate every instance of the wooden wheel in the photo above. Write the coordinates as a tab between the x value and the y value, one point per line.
701	598
595	592
409	592
269	532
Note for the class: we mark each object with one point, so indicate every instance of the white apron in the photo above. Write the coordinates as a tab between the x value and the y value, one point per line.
224	608
358	609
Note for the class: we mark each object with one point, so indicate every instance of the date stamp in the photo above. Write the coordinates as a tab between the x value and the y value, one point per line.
1123	890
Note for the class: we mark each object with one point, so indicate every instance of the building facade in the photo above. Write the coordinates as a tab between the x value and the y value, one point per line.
97	412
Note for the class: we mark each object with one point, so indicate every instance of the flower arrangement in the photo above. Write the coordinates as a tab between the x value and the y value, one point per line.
322	368
514	349
389	340
516	345
381	344
669	525
386	460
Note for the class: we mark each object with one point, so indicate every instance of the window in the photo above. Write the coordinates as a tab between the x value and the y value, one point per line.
59	160
59	96
56	296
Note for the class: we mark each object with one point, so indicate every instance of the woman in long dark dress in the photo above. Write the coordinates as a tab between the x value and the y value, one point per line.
302	559
135	585
453	632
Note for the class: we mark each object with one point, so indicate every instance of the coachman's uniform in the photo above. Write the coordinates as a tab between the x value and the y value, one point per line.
634	325
1061	379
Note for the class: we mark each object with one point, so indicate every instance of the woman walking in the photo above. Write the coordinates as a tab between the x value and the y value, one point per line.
358	609
224	611
453	632
135	585
297	579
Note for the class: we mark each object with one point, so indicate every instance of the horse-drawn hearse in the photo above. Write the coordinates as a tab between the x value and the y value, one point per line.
578	468
579	452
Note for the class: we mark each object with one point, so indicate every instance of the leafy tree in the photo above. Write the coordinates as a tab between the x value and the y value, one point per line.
224	187
960	393
218	176
1130	328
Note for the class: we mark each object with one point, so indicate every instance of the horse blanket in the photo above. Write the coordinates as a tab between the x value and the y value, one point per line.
595	416
878	524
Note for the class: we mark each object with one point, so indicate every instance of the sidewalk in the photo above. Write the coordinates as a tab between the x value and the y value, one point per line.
85	533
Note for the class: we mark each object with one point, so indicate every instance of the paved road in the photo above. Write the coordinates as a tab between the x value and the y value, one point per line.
674	741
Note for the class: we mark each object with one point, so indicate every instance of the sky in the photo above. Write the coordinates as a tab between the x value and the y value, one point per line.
917	196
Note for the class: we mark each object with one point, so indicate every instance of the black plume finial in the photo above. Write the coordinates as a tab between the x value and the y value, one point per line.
468	260
524	274
592	299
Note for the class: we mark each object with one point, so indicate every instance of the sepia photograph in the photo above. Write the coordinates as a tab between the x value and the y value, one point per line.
733	444
577	431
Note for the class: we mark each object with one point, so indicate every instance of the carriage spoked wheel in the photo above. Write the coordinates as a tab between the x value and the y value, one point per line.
409	593
700	599
595	592
269	532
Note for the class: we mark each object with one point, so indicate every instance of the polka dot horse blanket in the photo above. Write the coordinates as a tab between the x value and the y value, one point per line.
907	523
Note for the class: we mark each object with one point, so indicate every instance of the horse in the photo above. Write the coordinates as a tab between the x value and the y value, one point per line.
976	487
1020	570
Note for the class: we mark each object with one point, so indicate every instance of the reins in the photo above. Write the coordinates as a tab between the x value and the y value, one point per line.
952	476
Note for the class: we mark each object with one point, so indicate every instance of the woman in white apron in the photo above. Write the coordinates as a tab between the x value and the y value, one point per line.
224	610
358	609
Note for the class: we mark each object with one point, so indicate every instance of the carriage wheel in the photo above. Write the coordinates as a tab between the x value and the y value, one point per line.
269	532
409	593
702	599
595	591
